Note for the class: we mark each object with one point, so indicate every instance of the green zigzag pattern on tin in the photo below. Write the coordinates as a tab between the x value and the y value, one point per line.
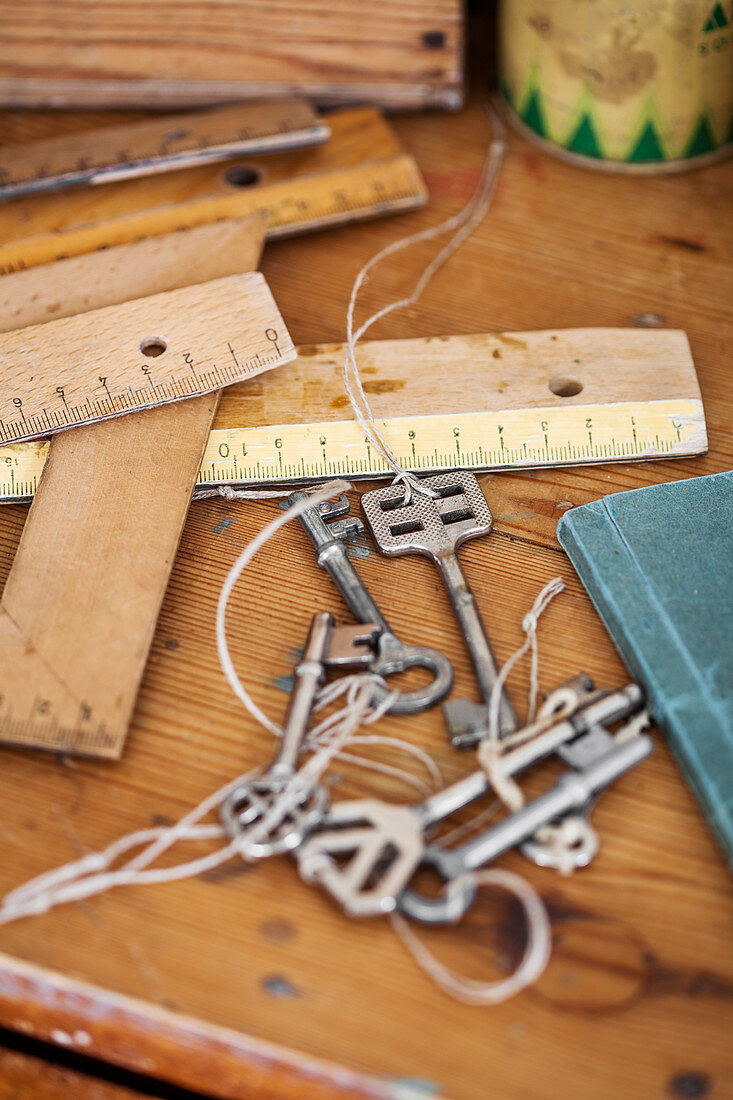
702	139
716	20
584	140
648	146
533	112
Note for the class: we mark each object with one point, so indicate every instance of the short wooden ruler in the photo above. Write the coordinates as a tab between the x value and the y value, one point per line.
557	398
158	145
138	355
362	171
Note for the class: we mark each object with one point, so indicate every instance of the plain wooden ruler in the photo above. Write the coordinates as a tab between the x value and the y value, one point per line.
158	145
82	599
137	355
513	400
363	171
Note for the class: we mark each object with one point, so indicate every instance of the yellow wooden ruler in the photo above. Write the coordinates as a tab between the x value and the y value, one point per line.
157	145
362	171
560	398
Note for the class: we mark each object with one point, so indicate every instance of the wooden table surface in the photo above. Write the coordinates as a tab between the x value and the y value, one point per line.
248	983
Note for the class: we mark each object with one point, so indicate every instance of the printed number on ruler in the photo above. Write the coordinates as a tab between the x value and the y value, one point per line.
475	441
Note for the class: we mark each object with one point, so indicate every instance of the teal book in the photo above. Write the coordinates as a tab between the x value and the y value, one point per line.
658	564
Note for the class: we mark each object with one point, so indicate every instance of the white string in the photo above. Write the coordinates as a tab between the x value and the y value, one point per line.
93	874
534	960
462	224
229	493
332	488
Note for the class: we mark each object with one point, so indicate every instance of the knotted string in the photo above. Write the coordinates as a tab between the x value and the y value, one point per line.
490	751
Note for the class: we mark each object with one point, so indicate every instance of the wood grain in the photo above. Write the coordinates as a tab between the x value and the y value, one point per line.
362	171
160	53
638	999
506	370
89	556
138	355
23	1077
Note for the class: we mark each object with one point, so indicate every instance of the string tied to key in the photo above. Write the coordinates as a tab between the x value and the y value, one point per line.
461	225
493	747
558	839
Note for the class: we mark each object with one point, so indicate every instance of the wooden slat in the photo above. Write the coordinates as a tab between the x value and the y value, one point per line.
23	1077
175	1048
162	53
90	559
637	1000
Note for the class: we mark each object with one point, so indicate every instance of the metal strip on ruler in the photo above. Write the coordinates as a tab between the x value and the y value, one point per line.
362	172
158	145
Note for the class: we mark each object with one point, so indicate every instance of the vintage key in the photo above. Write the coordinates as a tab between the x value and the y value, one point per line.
248	803
364	852
391	654
437	527
599	758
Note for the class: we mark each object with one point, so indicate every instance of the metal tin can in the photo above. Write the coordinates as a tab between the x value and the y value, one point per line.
635	87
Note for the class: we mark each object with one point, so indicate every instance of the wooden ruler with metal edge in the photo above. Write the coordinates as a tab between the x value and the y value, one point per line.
158	145
362	171
530	399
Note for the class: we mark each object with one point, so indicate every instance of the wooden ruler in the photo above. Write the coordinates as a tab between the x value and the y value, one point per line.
361	172
158	145
80	606
138	355
527	399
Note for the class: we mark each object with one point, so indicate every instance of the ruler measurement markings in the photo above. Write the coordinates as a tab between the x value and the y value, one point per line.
260	322
154	144
386	180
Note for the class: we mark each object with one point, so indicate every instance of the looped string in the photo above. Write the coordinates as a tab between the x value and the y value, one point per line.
462	225
533	962
492	747
94	873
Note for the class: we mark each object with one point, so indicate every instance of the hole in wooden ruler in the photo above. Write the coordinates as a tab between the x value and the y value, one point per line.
241	175
565	387
153	346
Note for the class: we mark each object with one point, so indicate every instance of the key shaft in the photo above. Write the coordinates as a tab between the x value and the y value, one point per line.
332	555
474	633
309	675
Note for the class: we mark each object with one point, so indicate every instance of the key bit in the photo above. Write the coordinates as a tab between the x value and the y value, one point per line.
353	646
391	654
333	509
344	528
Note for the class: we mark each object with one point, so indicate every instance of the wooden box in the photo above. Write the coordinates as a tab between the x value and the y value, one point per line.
164	54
